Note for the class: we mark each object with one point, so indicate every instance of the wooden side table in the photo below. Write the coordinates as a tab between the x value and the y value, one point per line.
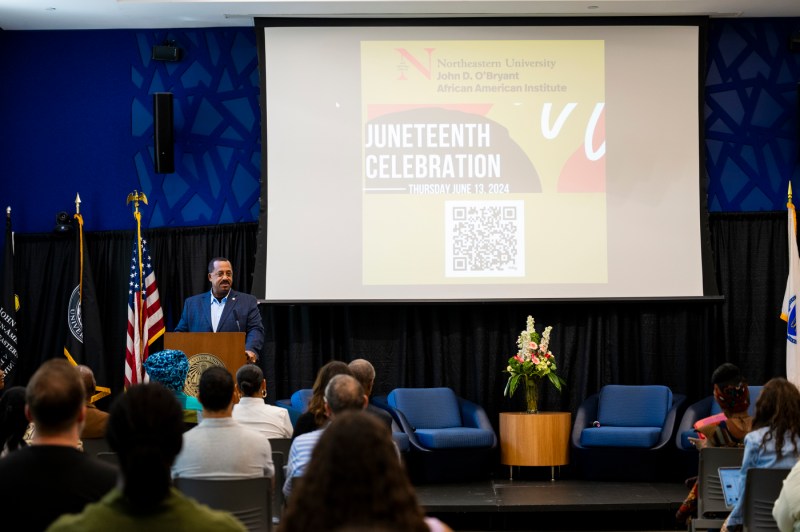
535	439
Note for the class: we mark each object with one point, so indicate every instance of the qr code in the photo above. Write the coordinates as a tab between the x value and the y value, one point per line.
484	238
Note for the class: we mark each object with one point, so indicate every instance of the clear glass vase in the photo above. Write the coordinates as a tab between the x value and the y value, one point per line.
532	394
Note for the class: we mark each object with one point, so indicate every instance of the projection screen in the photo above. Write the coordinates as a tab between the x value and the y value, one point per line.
445	162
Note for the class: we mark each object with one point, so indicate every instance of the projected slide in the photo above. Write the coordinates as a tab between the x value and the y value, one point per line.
475	151
480	162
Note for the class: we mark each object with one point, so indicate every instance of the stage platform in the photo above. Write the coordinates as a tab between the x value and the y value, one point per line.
544	505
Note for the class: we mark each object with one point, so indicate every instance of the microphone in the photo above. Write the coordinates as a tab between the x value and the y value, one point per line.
596	424
236	318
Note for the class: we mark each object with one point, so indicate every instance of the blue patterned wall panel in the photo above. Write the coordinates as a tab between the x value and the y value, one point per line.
217	128
751	116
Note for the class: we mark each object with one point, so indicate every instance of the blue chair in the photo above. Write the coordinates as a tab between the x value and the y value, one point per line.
622	432
702	409
450	438
296	404
400	438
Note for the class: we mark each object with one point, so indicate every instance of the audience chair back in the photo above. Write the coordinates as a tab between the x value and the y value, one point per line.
711	507
280	457
761	489
248	499
94	446
109	457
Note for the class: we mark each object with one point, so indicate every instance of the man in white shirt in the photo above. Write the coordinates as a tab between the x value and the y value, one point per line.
219	447
251	410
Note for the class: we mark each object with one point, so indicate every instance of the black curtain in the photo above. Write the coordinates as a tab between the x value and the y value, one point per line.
463	346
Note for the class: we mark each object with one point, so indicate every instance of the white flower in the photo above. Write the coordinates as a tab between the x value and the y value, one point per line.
545	342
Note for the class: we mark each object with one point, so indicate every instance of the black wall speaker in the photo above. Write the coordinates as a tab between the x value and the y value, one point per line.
794	42
164	155
166	52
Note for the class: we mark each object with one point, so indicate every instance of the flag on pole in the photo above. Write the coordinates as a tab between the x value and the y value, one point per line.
84	343
145	317
9	304
789	309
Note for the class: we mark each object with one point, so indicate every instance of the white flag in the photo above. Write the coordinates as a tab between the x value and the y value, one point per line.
789	309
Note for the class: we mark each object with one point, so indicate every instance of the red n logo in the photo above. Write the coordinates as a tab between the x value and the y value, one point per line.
405	55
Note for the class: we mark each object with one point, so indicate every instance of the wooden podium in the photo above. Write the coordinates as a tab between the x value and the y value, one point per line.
207	349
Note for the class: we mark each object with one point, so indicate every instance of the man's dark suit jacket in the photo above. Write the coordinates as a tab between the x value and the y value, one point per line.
196	317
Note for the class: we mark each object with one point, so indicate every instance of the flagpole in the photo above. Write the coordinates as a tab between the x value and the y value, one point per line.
136	197
790	297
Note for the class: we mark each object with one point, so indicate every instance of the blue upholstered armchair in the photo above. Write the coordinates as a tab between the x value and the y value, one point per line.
702	409
435	418
296	404
451	438
628	423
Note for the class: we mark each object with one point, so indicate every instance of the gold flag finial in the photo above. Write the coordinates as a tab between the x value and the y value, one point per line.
790	191
136	197
77	203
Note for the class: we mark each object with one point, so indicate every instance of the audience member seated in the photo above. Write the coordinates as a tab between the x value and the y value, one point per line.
733	397
787	506
144	429
342	393
169	368
13	423
51	476
96	419
219	447
315	416
364	372
775	439
251	410
354	481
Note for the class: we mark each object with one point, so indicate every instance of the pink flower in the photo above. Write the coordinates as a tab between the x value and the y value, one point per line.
535	360
519	359
533	346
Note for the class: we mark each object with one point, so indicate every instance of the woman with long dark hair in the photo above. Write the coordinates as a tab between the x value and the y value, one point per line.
774	441
315	417
356	481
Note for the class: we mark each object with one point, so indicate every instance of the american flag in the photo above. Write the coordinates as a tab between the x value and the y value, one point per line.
145	318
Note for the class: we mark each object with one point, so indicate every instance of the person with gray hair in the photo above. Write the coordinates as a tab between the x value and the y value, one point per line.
96	420
364	372
342	393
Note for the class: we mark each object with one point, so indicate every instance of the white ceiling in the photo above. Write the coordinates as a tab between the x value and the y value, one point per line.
110	14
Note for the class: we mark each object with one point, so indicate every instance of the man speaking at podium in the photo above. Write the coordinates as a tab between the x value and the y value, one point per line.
224	310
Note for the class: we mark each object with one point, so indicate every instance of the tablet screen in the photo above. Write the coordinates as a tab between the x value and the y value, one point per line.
730	479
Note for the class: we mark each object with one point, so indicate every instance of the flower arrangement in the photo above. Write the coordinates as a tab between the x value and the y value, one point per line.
532	362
